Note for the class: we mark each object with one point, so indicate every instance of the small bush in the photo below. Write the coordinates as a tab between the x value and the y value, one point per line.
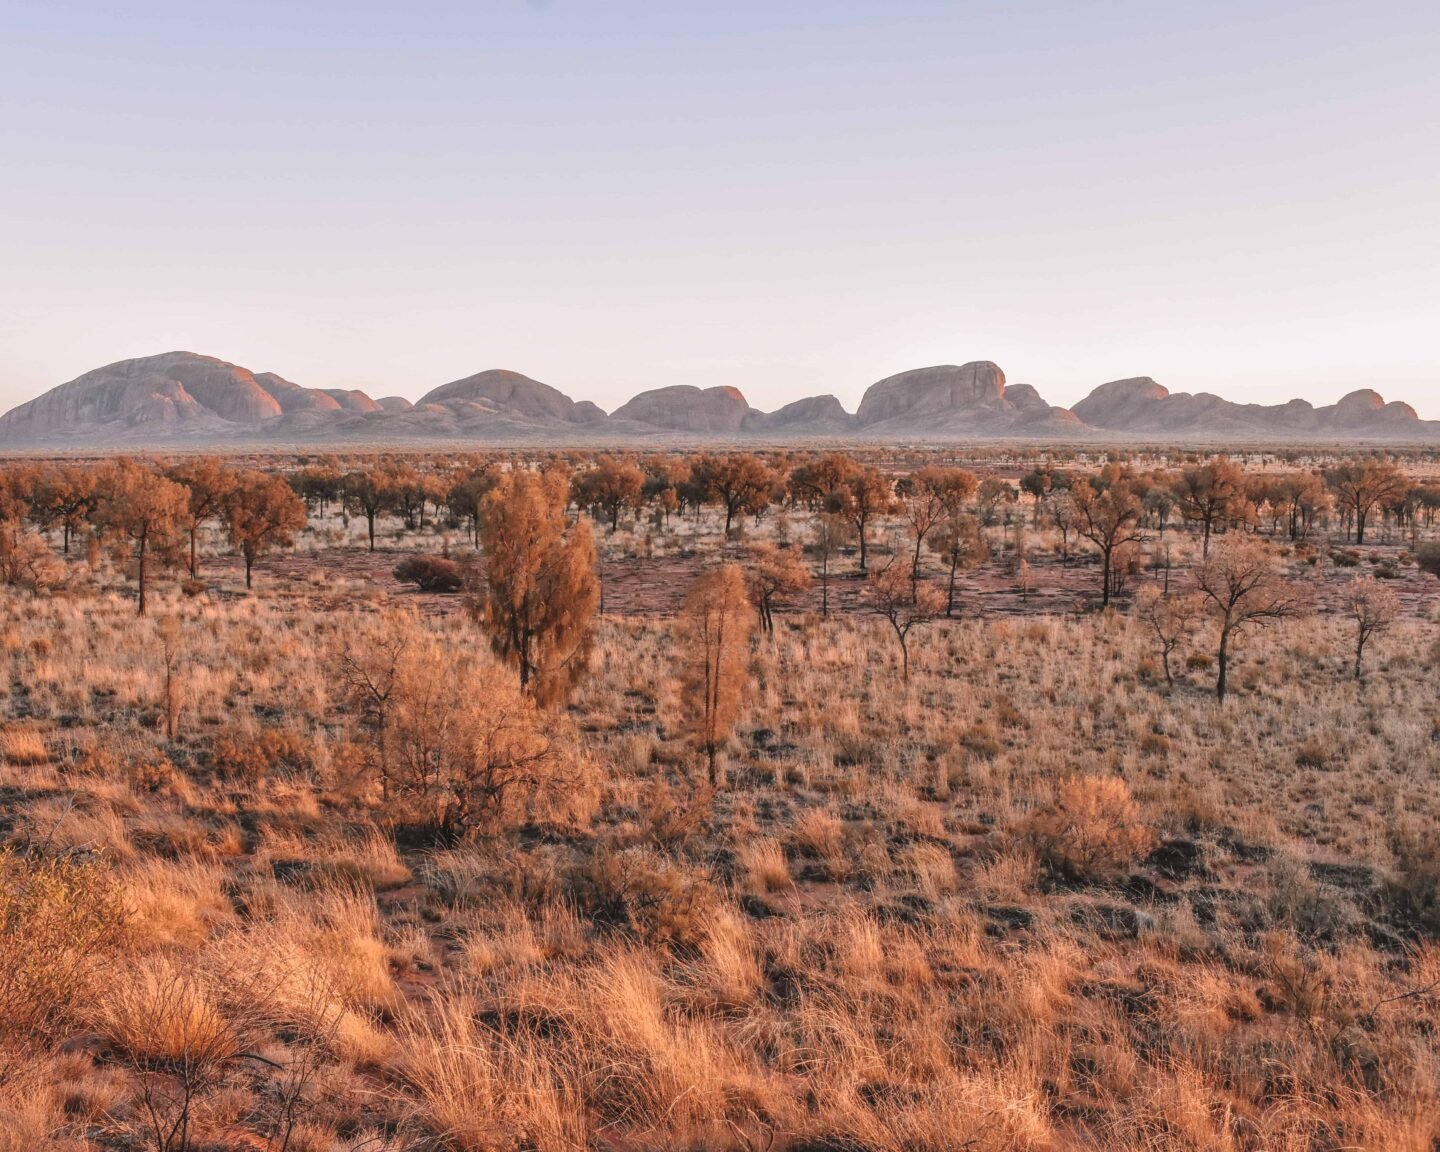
1092	832
430	573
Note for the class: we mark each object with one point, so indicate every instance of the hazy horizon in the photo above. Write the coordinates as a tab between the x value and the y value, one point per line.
1238	199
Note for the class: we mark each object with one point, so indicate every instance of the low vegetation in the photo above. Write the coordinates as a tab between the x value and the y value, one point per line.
783	801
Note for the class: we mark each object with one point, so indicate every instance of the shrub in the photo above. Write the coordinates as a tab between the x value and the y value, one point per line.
1414	886
430	573
243	756
1093	831
656	898
58	919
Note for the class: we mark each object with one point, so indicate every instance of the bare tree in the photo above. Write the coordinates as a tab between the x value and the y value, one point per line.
370	673
1173	620
1373	608
1242	586
960	541
904	606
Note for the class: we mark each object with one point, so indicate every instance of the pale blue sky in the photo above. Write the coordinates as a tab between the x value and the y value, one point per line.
794	198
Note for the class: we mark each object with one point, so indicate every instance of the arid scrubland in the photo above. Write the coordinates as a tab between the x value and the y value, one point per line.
307	869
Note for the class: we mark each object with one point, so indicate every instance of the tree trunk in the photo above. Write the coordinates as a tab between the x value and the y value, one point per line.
194	558
249	563
370	524
1105	577
1222	680
141	575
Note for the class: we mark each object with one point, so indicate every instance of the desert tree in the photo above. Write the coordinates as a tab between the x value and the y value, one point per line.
64	495
926	497
904	606
144	509
1109	519
318	485
714	643
407	492
774	576
867	493
663	477
1173	620
1060	508
1359	486
262	512
369	492
1209	494
1304	498
466	496
990	495
739	481
821	483
208	484
1372	608
538	591
829	533
27	560
613	485
1242	586
960	541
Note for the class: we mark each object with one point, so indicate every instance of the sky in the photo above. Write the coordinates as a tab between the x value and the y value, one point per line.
789	197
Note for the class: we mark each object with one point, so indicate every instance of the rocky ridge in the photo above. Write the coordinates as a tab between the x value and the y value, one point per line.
180	397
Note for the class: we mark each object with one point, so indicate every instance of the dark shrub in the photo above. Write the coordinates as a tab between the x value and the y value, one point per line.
430	573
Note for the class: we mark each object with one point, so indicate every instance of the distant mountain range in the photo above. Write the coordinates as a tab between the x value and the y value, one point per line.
180	399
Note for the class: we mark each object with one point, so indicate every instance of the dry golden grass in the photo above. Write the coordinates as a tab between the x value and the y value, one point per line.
1036	901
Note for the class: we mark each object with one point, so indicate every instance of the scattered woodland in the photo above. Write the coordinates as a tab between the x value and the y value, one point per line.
813	801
